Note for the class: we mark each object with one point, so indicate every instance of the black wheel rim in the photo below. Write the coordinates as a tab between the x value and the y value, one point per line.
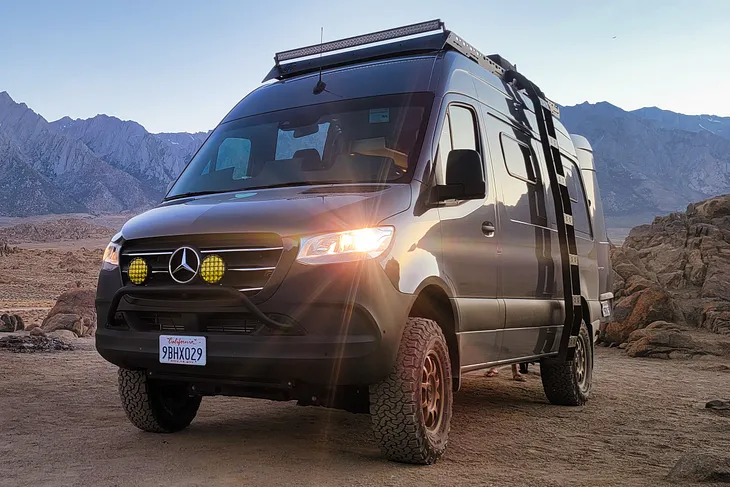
432	391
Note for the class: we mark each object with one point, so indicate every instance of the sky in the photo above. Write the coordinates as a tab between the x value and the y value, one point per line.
182	65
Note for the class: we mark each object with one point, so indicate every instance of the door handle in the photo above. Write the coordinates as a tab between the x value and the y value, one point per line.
488	229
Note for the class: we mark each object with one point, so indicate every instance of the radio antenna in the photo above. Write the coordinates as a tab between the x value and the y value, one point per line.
321	85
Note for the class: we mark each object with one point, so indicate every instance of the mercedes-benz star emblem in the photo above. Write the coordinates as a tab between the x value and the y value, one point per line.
184	265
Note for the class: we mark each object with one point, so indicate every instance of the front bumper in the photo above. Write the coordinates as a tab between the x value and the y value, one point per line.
348	322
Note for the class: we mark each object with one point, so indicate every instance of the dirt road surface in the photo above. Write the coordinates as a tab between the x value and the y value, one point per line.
62	424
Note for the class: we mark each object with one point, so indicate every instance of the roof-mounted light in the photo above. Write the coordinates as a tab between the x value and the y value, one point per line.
380	36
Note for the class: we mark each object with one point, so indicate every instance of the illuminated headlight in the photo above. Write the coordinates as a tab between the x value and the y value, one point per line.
365	243
138	271
111	256
212	269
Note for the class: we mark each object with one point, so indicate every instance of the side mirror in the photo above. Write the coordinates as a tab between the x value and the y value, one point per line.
464	177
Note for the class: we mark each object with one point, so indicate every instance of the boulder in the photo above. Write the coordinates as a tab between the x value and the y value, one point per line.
716	318
37	331
700	467
65	335
6	249
719	405
662	339
637	311
64	321
75	311
10	323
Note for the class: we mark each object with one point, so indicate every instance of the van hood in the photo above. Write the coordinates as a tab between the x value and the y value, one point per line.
285	211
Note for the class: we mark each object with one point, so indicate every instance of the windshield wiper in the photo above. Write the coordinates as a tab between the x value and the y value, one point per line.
194	193
294	184
265	186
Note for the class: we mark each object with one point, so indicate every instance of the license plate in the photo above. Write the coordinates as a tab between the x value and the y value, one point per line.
606	309
182	350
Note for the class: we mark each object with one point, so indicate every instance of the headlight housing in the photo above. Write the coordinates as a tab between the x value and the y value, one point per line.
110	261
364	243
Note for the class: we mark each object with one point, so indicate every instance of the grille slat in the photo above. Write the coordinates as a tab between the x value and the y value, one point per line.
211	323
250	259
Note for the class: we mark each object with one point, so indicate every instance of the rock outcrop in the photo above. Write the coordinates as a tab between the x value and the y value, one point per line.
9	323
74	311
676	270
5	248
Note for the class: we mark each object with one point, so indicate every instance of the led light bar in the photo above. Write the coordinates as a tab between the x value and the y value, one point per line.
383	35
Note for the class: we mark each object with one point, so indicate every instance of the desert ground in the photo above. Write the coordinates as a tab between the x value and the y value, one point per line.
62	422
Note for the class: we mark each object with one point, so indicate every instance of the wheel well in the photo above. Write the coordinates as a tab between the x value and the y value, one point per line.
433	304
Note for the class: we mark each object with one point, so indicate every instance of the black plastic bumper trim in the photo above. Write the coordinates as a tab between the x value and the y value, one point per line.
234	296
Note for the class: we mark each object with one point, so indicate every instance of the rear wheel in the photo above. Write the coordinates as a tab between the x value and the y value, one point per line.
569	384
411	408
156	406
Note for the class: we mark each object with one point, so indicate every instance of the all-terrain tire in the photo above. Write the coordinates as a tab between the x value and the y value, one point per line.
405	432
569	384
154	406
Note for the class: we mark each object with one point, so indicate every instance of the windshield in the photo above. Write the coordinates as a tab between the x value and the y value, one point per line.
366	140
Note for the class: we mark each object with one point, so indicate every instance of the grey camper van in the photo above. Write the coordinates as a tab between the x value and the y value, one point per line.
385	214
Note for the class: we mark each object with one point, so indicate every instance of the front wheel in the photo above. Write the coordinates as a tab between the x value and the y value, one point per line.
411	408
156	406
569	384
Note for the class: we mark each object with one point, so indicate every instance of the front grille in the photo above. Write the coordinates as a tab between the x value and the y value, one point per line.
190	322
250	259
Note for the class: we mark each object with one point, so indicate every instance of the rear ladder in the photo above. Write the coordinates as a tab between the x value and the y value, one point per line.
544	112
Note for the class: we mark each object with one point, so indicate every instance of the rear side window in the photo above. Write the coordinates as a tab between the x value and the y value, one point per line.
519	159
581	219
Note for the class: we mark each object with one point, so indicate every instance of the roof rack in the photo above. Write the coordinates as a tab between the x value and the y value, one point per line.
285	65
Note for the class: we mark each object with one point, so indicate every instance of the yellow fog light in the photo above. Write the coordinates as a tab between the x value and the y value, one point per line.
138	271
212	269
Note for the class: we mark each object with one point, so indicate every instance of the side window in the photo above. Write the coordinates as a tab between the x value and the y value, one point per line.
463	126
234	152
519	159
581	217
459	132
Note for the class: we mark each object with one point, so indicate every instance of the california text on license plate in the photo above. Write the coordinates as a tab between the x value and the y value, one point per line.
183	350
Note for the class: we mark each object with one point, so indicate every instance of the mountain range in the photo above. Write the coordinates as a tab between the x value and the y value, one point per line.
649	161
97	165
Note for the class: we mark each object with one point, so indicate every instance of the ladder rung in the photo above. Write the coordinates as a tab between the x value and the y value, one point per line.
554	109
576	300
553	142
561	180
545	104
573	261
568	219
